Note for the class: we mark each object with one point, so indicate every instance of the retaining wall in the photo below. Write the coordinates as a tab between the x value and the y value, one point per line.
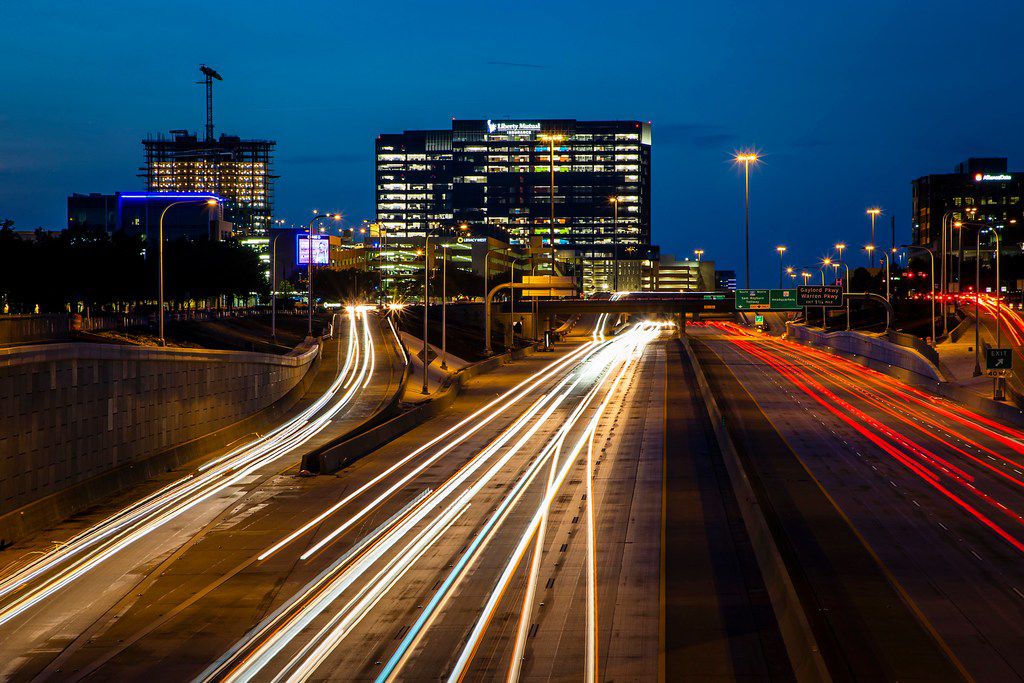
81	416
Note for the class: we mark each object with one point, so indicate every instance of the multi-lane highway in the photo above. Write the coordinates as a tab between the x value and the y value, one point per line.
50	596
554	523
570	516
934	490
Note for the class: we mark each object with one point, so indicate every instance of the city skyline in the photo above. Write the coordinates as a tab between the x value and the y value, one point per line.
845	117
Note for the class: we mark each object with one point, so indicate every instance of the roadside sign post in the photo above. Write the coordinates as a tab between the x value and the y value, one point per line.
998	362
998	365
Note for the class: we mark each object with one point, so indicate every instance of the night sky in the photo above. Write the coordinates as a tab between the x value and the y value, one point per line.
848	101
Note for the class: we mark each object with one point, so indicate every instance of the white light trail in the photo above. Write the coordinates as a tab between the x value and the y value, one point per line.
73	559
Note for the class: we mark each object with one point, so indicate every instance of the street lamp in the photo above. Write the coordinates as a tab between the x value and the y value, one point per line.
209	201
444	301
870	248
874	213
551	139
825	263
977	287
309	264
746	158
699	253
886	257
782	250
931	286
273	288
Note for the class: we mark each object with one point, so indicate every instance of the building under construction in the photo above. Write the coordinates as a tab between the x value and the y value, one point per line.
238	170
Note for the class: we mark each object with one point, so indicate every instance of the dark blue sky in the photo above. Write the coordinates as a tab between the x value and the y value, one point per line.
849	101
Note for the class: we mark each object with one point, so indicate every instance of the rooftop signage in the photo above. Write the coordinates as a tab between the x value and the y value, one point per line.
513	127
988	177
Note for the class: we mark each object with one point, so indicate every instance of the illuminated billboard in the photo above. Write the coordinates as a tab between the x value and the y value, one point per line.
321	250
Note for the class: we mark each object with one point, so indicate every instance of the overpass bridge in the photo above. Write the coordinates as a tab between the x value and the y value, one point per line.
669	303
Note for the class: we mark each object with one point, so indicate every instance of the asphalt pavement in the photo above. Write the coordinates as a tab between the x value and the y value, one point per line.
931	491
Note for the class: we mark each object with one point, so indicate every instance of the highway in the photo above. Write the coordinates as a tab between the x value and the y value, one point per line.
553	524
55	592
932	489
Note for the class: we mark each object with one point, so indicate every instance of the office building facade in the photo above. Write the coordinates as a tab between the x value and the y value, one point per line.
498	174
979	190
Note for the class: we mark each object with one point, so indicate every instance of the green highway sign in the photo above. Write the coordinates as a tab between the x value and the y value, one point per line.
766	300
998	360
759	319
820	295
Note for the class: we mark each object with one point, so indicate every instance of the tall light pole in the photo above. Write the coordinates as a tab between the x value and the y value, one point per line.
699	253
931	283
444	300
551	139
746	158
825	263
870	249
309	264
874	213
806	276
273	288
209	201
782	250
886	257
426	308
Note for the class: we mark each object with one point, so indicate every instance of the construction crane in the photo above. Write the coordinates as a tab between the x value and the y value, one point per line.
209	74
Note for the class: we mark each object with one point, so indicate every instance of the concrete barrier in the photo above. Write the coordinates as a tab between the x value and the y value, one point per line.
797	634
877	351
79	422
907	367
343	453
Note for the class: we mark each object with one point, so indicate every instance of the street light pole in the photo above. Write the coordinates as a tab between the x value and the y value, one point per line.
209	201
846	281
615	242
699	253
782	250
874	212
426	308
309	264
273	288
746	158
444	306
931	282
886	257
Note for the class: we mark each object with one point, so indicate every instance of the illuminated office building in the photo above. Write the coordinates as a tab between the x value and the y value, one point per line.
979	190
498	174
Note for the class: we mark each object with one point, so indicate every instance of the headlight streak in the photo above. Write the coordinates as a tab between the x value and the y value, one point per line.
498	405
405	356
112	535
248	657
590	674
251	665
469	649
525	611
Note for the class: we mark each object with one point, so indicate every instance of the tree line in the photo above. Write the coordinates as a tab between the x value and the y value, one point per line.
85	267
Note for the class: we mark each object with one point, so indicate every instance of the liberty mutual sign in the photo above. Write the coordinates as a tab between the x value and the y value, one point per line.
512	127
